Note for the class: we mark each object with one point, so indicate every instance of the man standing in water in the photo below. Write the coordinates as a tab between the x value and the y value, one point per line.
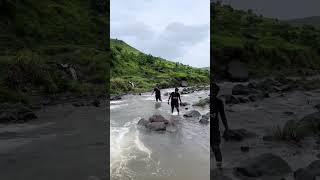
175	97
216	108
158	93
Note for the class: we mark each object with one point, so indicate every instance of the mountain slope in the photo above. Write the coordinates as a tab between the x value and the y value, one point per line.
51	47
145	71
314	21
266	45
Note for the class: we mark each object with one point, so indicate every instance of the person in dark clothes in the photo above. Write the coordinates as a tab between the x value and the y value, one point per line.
175	97
216	109
158	94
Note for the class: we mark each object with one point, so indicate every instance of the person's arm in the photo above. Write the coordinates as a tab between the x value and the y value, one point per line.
180	98
152	92
169	98
223	116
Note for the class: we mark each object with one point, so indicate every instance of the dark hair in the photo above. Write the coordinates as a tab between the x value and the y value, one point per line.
176	89
215	87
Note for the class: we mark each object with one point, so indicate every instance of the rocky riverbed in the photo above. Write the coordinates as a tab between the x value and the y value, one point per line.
277	149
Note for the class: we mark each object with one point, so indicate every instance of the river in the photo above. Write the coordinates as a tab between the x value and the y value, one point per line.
180	153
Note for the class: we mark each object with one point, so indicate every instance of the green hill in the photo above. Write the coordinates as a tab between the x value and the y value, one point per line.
145	71
266	45
42	44
314	20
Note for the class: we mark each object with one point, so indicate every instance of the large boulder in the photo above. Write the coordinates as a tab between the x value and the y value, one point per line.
15	113
308	173
156	126
154	123
158	118
184	84
241	89
237	135
263	165
310	124
238	71
202	102
205	118
184	104
192	114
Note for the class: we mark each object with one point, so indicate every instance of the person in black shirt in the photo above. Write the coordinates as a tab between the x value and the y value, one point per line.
158	94
175	97
217	108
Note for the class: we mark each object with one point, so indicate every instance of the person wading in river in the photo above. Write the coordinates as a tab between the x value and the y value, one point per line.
175	97
217	108
158	93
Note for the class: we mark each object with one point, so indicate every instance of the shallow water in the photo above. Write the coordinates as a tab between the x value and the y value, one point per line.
181	153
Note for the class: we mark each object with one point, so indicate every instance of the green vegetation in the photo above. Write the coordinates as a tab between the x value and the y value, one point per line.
145	71
266	45
41	41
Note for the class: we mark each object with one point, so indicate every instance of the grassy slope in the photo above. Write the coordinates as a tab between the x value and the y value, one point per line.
145	71
314	20
37	36
266	45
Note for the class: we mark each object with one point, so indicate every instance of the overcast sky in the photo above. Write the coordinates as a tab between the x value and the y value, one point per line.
281	9
173	29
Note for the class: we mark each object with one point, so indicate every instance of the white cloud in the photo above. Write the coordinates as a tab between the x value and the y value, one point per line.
173	29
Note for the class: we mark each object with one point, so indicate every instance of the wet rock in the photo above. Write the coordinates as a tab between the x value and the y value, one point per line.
10	113
96	103
218	175
244	148
166	94
240	89
263	165
230	99
78	104
143	122
184	83
113	98
205	119
243	100
156	126
310	124
184	104
202	102
288	113
237	135
192	114
238	71
308	173
267	138
158	118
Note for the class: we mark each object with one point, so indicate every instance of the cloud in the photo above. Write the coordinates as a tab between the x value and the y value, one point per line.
168	28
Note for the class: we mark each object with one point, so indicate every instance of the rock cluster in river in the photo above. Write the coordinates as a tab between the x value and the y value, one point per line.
13	113
154	123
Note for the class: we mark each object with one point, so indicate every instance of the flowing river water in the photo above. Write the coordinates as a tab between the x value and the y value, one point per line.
181	153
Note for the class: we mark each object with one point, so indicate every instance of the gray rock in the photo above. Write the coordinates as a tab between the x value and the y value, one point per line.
310	124
184	84
158	118
10	113
238	71
202	102
238	135
184	104
143	122
192	114
230	99
263	165
156	126
240	89
308	173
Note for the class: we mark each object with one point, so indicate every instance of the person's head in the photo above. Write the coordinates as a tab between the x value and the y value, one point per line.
176	90
215	90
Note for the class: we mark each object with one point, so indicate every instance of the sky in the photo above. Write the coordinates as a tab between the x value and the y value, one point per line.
172	29
281	9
